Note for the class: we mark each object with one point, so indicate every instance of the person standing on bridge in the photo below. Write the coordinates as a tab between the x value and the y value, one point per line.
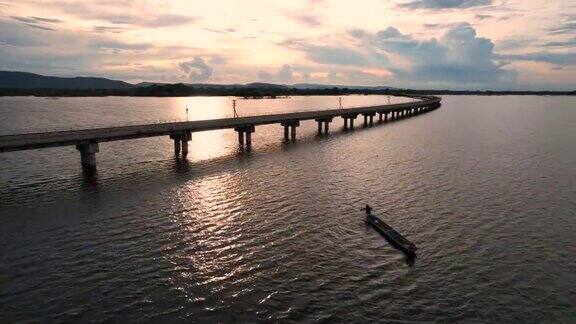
368	209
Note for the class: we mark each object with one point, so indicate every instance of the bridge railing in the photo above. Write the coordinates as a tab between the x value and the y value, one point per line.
22	131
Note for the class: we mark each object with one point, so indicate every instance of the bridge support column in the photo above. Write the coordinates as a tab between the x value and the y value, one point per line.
326	121
176	147
291	125
245	136
184	147
368	115
380	117
88	154
349	120
385	116
181	140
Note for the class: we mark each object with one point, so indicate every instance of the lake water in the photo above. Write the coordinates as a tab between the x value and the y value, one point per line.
484	186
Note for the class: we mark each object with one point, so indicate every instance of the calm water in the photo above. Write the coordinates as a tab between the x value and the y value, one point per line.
485	186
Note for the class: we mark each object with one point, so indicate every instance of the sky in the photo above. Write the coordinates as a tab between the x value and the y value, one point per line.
431	44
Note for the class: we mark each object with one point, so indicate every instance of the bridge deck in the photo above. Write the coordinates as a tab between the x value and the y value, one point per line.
19	142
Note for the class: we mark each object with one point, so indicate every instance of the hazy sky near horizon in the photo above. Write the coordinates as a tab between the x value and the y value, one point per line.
459	44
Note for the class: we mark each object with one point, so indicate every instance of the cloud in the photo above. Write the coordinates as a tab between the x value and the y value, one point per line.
37	22
116	45
109	29
483	17
514	43
337	55
445	4
565	28
562	59
284	75
265	76
357	33
458	57
340	56
132	12
34	20
196	70
306	20
40	27
566	43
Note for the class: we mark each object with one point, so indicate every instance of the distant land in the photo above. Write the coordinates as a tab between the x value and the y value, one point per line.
14	83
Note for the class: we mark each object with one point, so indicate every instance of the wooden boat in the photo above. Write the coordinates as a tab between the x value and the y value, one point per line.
393	236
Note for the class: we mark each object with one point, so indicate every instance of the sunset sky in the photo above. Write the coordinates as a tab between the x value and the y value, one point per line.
457	44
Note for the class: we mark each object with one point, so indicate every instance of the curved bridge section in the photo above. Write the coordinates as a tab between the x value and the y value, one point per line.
86	140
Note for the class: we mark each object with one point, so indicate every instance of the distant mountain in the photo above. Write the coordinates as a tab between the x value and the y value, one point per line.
24	80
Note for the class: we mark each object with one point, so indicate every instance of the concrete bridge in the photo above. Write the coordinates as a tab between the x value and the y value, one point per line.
87	140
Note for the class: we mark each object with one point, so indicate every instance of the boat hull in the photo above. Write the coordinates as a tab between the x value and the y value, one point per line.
391	235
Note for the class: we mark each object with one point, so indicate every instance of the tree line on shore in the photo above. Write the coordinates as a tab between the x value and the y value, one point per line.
182	90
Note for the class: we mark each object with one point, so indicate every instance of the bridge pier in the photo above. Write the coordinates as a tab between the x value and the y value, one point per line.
245	135
184	147
326	122
349	118
368	116
290	129
176	147
385	116
181	140
88	154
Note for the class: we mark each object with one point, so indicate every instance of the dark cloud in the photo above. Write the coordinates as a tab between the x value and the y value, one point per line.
15	34
515	43
48	20
565	28
444	4
483	17
35	20
357	33
196	70
39	27
560	59
566	43
115	45
109	29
